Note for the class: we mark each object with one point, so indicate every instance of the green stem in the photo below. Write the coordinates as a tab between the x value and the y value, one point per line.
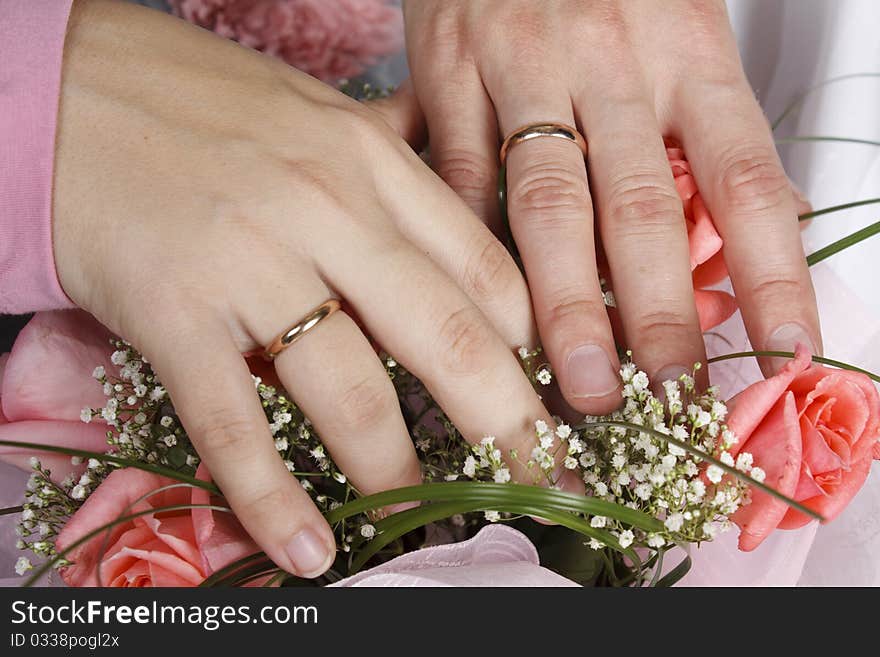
802	97
109	458
837	208
845	140
706	457
844	243
10	510
789	354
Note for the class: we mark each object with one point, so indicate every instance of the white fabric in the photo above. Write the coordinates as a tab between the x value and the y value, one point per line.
787	47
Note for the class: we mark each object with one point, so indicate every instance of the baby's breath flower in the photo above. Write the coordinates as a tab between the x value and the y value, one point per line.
492	516
368	531
22	565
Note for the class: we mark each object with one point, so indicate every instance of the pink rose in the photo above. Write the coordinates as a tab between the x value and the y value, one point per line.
177	548
814	431
45	382
707	261
330	40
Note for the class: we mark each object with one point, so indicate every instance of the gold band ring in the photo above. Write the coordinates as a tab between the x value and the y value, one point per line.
535	130
302	327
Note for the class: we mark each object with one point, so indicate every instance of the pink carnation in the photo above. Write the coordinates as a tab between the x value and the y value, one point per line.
329	39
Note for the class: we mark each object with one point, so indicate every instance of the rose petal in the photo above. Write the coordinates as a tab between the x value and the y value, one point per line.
713	307
703	240
48	373
753	403
818	456
776	446
75	435
830	505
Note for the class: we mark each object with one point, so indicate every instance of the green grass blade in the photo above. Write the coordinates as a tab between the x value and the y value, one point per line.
809	138
109	458
844	243
799	100
231	569
837	208
9	510
674	575
789	354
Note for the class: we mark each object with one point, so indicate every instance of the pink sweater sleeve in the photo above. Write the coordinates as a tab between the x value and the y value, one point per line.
31	47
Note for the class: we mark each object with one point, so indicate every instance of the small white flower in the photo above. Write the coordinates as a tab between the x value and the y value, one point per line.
451	477
192	460
608	298
575	446
488	442
656	541
546	441
492	516
140	418
595	544
744	461
563	431
368	531
523	353
98	372
541	427
27	515
710	530
643	491
85	480
94	464
470	466
22	565
502	476
338	476
544	377
758	474
86	415
640	382
281	444
78	492
618	461
626	538
714	474
170	440
587	459
570	463
166	421
674	522
601	489
598	521
119	358
726	458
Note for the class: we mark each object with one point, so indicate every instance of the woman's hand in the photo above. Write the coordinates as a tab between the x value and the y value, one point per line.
627	73
207	197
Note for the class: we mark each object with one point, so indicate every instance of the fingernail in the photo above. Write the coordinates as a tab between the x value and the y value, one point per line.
786	338
590	373
308	553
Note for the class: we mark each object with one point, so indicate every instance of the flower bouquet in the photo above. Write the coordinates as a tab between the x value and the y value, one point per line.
118	496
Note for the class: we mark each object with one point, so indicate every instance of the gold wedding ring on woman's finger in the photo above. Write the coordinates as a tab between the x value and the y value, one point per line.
303	326
536	130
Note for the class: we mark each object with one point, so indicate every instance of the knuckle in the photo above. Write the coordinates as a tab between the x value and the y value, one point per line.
574	307
222	430
544	188
643	200
469	174
777	289
366	403
657	325
752	179
490	273
465	341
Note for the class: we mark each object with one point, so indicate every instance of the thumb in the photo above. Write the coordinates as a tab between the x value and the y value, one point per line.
402	112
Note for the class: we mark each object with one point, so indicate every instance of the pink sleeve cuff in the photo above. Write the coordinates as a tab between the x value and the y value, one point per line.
31	48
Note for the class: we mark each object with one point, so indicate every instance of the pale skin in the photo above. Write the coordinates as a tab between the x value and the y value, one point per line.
207	197
627	73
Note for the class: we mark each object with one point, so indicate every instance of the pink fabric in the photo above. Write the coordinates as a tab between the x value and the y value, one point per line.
31	47
497	556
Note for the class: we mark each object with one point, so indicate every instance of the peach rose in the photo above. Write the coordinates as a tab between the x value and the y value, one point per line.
178	548
45	381
707	261
814	431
